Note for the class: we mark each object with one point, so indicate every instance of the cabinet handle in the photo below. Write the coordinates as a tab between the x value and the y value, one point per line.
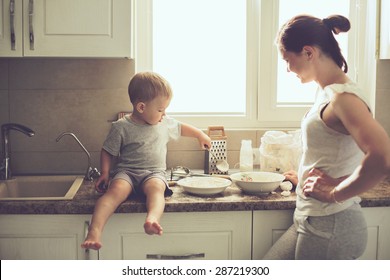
30	20
86	227
90	254
12	23
175	257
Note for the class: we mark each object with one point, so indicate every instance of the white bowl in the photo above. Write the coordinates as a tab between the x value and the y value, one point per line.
204	185
257	182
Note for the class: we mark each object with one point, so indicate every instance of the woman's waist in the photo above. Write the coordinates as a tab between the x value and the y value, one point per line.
312	207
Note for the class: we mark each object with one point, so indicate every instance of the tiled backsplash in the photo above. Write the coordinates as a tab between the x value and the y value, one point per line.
82	96
55	95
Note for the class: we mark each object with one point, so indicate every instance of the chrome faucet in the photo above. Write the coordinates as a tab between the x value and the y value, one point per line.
5	128
91	172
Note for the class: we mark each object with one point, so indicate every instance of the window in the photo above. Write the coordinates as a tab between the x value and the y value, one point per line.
220	57
203	59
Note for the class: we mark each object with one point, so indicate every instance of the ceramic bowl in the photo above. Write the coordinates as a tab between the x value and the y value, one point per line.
259	182
204	185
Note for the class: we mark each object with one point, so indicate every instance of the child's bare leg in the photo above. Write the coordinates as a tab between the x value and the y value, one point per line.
155	202
118	191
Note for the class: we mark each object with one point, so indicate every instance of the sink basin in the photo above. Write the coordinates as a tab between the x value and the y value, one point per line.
50	187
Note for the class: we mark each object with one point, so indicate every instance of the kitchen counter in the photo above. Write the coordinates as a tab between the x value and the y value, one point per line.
232	199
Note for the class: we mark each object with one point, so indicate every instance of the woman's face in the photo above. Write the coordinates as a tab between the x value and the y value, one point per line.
298	63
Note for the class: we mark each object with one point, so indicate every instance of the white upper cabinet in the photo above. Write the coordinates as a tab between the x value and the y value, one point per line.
384	47
66	28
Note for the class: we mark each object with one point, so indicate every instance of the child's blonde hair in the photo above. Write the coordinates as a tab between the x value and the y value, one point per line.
145	86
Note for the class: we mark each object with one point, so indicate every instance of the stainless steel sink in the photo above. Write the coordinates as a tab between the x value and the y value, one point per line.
50	187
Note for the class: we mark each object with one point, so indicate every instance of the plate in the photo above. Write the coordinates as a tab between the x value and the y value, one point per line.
204	185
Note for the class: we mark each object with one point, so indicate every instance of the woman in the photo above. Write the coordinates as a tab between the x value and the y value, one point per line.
345	151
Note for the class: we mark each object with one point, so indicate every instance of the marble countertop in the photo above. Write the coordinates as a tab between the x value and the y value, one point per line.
232	199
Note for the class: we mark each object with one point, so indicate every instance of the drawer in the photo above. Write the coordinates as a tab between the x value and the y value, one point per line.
187	235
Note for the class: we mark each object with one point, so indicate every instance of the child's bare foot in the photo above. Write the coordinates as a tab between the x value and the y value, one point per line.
153	228
92	241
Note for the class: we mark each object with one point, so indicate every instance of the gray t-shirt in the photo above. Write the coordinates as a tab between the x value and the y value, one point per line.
141	146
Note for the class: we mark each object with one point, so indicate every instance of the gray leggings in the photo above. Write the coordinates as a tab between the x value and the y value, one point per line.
341	236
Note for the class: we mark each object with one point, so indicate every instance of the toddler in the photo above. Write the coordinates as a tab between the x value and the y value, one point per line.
139	141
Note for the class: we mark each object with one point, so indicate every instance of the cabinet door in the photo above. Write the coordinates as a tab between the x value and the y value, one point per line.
73	28
268	226
11	23
42	237
200	235
378	222
385	30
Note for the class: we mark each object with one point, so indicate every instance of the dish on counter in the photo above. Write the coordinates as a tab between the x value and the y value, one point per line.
257	182
204	185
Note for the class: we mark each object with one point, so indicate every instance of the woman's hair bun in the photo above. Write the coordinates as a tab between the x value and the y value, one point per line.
337	23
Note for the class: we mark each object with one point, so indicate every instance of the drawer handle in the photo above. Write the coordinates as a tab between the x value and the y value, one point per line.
90	254
12	23
86	251
174	257
30	21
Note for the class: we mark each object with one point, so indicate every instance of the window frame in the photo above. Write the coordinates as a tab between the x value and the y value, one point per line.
261	106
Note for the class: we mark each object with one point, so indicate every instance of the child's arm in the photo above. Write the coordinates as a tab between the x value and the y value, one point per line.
105	165
191	131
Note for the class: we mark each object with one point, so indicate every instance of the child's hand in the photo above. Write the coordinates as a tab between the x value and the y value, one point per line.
204	141
101	184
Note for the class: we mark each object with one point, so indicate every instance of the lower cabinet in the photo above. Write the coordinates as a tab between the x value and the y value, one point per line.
269	225
42	237
236	235
378	222
187	235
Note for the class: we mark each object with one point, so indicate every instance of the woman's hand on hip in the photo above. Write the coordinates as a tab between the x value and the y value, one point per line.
319	185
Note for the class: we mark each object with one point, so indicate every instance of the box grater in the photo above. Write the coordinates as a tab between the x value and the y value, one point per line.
218	147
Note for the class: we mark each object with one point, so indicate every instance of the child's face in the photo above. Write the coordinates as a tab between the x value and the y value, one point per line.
154	110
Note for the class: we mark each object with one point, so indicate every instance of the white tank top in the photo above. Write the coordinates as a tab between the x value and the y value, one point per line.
332	152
